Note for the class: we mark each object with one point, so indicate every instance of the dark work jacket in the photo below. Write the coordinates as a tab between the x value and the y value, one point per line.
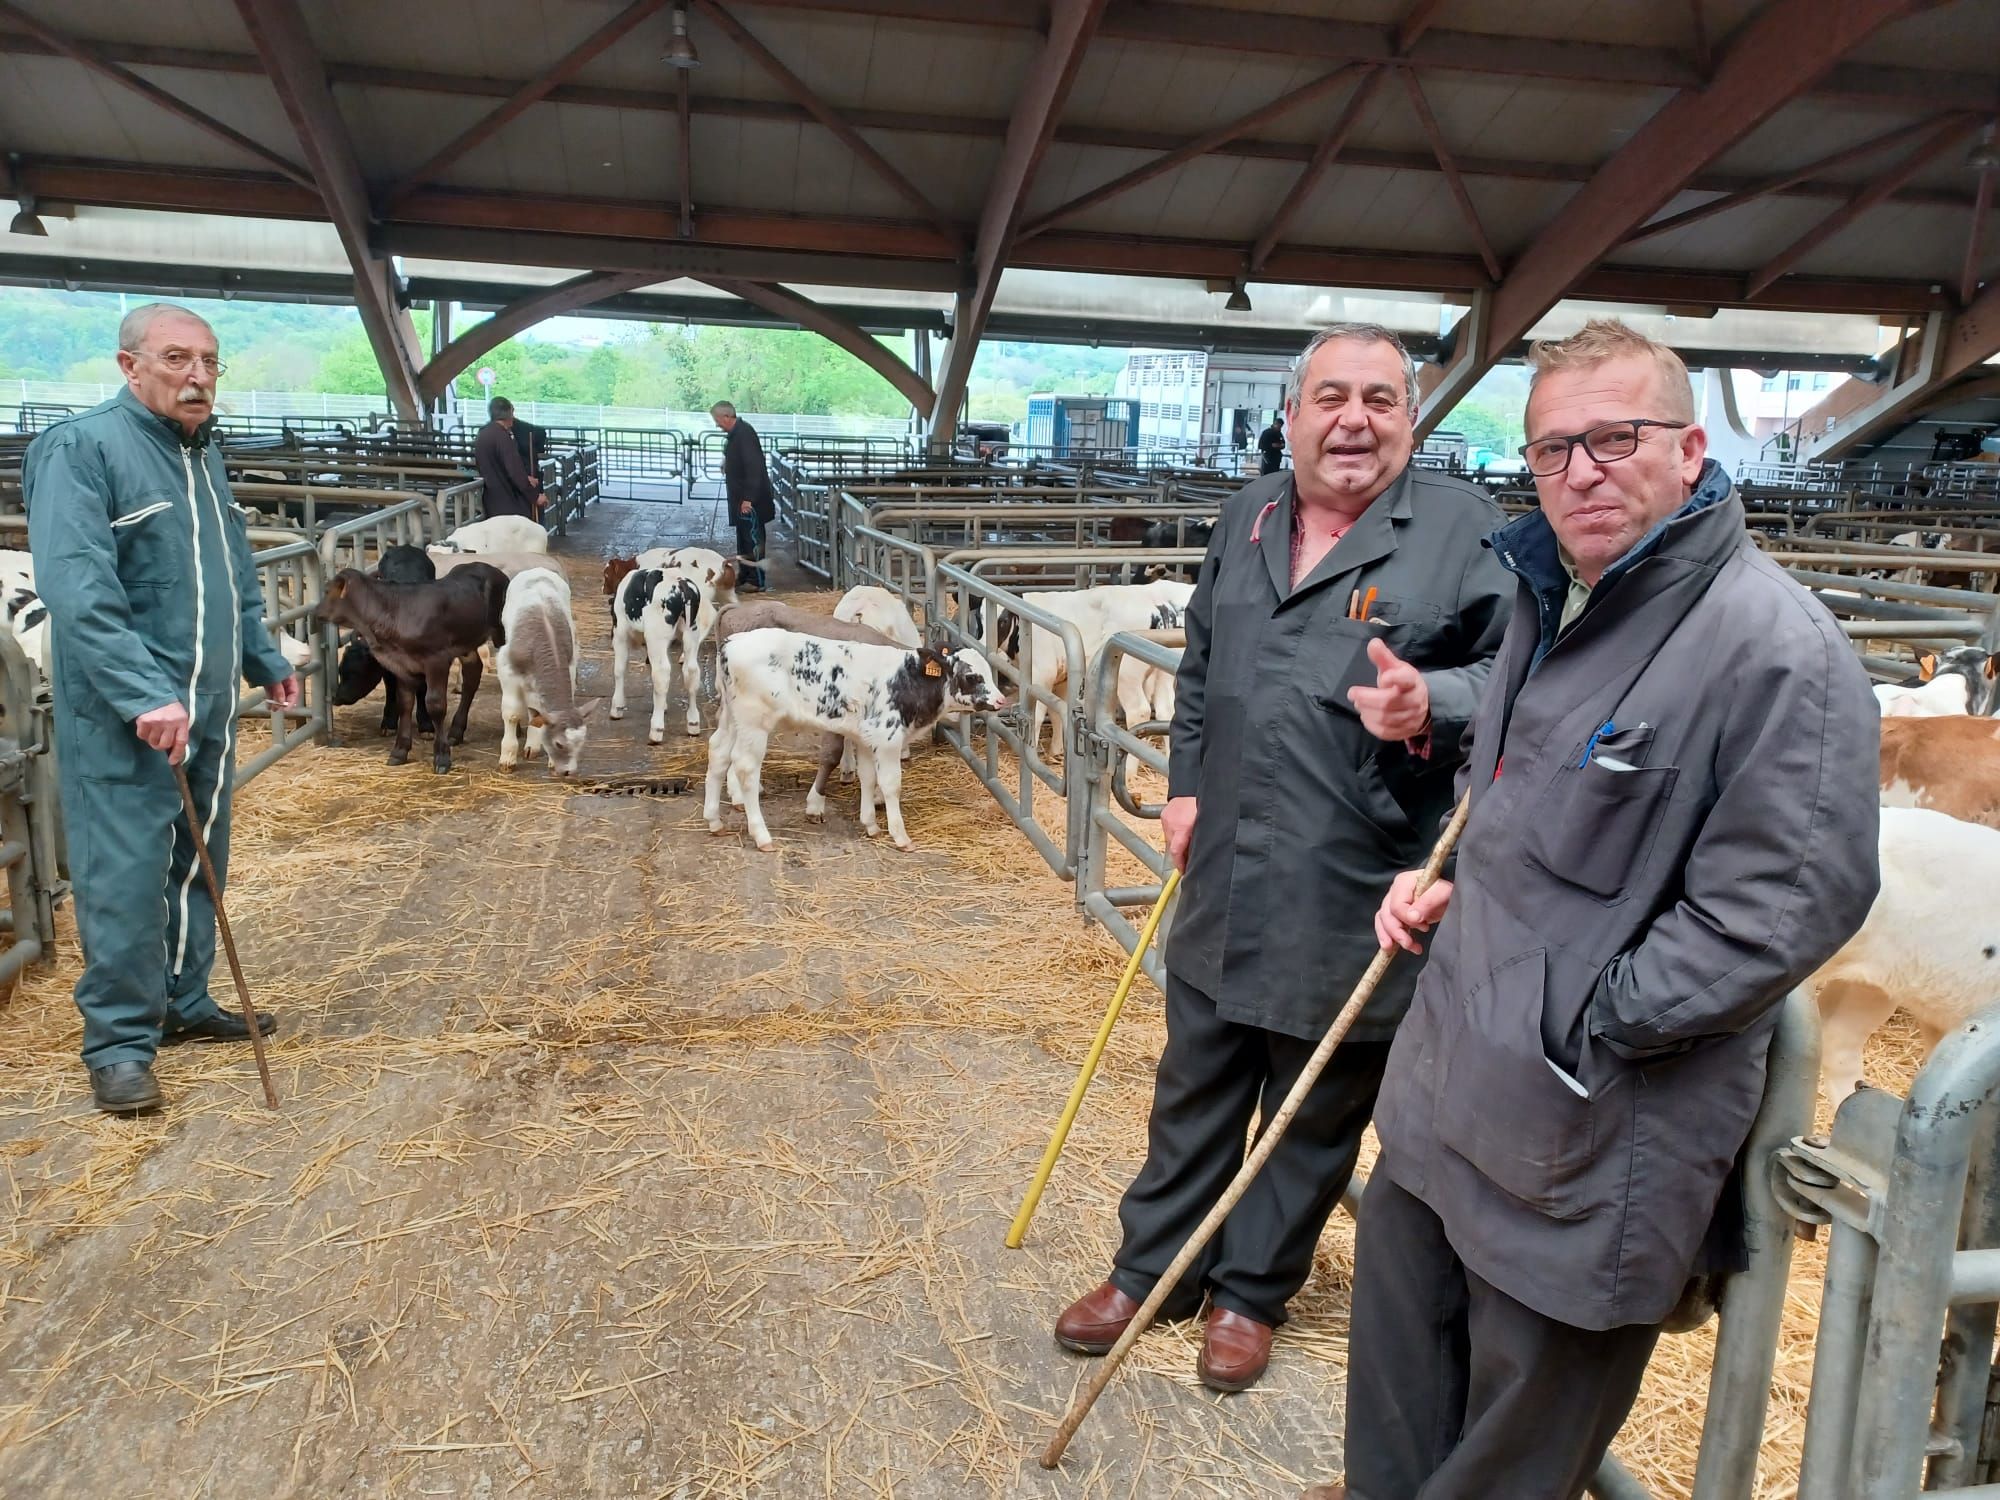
1638	928
532	443
743	474
509	491
1271	447
1305	817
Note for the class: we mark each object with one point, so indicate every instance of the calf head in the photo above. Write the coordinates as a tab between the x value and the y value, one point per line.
1978	666
615	572
725	582
563	733
970	686
357	675
335	603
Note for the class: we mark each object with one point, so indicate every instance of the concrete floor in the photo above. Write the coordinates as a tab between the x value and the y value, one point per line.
616	1160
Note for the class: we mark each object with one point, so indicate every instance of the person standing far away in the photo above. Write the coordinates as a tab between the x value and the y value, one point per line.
1673	780
1341	629
510	489
1271	445
156	614
746	488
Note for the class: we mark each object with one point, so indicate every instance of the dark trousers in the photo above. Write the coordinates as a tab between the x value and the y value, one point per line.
1214	1075
1455	1391
749	543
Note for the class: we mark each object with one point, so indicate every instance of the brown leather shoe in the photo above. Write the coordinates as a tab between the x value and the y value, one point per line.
1092	1324
1326	1492
1234	1351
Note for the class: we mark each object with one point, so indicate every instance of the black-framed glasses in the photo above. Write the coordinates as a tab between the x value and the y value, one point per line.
179	361
1606	443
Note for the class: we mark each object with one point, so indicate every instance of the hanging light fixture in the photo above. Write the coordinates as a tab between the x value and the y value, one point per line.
680	51
1984	155
1239	299
27	221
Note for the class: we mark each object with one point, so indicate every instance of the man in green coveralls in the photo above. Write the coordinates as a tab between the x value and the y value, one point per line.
155	612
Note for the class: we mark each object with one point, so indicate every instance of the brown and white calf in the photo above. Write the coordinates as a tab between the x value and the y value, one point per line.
538	674
1948	765
416	631
877	696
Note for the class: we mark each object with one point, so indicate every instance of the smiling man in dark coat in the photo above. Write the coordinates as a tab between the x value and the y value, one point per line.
1340	632
1673	780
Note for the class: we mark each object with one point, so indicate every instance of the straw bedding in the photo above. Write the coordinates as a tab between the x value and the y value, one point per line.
617	1159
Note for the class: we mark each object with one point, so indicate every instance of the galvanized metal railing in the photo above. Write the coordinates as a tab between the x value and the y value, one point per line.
293	577
360	542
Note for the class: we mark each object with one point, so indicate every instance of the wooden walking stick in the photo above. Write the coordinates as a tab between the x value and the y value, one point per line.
1019	1228
1266	1143
222	928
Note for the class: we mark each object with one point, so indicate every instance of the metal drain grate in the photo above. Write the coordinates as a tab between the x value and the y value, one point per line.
634	786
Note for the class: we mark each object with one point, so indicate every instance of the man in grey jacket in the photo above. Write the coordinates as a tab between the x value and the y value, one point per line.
1673	780
1341	629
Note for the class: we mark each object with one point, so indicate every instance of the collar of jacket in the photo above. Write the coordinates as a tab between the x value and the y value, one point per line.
1527	548
152	421
1371	537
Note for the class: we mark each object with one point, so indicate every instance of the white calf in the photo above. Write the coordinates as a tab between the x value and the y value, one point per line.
497	534
878	609
656	607
1950	694
877	696
1925	947
538	674
27	616
1098	614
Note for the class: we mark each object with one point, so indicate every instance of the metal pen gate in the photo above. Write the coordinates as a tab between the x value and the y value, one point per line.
643	463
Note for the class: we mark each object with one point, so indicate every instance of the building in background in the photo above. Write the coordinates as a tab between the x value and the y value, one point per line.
1213	404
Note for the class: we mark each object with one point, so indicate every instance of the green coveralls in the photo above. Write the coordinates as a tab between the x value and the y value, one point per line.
144	562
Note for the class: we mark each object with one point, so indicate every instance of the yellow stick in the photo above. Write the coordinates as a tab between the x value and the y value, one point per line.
1267	1142
1019	1229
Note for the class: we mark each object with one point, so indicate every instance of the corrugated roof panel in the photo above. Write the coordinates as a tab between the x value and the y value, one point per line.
1963	36
59	108
394	131
1741	239
167	23
1896	240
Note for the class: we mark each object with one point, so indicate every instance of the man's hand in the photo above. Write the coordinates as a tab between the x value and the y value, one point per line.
1177	818
743	509
165	728
285	694
1398	707
1405	914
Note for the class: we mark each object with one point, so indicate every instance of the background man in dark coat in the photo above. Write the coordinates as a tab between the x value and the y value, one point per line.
511	490
1673	781
746	486
1311	757
1271	446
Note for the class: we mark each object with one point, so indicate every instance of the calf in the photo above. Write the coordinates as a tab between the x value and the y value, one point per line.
513	564
497	534
417	630
1924	947
27	616
719	571
877	696
538	673
1924	699
1949	765
656	607
357	672
1144	693
767	614
882	611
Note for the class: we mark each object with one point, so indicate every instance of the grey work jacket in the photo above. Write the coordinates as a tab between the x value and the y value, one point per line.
1305	817
1634	929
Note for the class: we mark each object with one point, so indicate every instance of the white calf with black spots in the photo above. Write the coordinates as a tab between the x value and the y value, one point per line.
656	608
875	696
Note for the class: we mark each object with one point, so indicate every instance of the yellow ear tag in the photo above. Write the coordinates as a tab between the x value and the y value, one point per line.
932	669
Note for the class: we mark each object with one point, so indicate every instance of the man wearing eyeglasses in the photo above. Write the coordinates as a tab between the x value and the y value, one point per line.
1341	628
156	613
1673	780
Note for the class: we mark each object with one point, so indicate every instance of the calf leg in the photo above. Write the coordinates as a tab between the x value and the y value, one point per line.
1850	1012
721	747
832	747
691	680
864	768
621	657
889	773
406	723
513	708
748	761
391	704
424	723
659	662
1133	700
437	676
468	674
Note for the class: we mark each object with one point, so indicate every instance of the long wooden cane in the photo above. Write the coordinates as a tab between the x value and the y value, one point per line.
222	927
1019	1229
1266	1144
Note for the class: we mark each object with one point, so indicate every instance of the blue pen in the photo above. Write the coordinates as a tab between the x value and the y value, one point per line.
1607	727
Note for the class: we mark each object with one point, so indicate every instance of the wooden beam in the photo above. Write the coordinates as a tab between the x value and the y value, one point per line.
1447	166
1786	180
1037	106
1416	21
1775	56
285	44
1975	335
89	56
1938	140
458	356
1982	207
1308	179
838	330
1704	54
535	89
823	112
684	130
1222	135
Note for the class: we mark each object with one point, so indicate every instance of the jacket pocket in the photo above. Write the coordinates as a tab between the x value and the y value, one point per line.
1340	652
1504	1107
153	546
1594	826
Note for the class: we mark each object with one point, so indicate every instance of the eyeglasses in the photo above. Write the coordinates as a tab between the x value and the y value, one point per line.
179	361
1606	443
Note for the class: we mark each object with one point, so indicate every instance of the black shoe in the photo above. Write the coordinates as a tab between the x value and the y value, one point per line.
123	1088
220	1027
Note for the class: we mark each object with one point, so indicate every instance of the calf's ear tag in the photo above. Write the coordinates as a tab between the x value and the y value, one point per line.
932	669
